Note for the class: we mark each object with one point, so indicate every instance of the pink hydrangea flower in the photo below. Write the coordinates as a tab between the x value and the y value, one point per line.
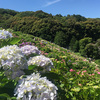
56	59
78	72
90	75
98	72
71	70
82	74
93	74
84	71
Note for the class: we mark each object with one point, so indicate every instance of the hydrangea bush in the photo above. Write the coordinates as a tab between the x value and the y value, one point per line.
30	50
5	34
34	87
12	60
41	61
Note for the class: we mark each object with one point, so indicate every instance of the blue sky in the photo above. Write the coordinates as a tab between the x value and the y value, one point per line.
86	8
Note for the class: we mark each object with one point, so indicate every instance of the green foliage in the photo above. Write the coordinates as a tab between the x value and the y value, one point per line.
14	41
25	14
6	87
98	42
46	50
47	26
79	17
75	77
74	45
5	96
60	39
91	50
97	61
11	41
8	11
42	14
82	43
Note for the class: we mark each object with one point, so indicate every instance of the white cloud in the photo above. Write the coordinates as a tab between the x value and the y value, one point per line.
51	2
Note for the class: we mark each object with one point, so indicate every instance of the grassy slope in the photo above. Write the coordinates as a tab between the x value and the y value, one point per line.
71	73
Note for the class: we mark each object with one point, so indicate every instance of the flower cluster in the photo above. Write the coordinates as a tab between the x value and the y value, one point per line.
25	43
5	34
34	87
29	50
71	70
41	61
12	60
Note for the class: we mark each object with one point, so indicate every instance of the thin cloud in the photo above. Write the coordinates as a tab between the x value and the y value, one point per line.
52	2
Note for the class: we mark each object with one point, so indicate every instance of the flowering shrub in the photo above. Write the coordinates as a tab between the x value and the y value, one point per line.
71	70
5	34
28	50
76	77
12	61
34	87
41	61
25	43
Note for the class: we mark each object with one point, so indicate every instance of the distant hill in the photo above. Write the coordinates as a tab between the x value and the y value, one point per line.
62	30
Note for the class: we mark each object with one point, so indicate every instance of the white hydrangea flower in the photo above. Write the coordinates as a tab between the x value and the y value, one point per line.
28	50
34	87
41	61
12	60
5	34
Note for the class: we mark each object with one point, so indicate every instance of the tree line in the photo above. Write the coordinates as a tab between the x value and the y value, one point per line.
75	32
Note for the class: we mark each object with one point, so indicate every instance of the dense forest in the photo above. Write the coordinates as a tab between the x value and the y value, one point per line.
75	32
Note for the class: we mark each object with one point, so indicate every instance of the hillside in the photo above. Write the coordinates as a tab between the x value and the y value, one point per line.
62	30
76	77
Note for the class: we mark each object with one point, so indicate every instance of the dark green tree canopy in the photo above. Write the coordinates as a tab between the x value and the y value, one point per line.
55	28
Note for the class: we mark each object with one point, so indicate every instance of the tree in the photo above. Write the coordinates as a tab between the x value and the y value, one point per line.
76	46
98	45
72	42
82	43
98	42
60	39
91	50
